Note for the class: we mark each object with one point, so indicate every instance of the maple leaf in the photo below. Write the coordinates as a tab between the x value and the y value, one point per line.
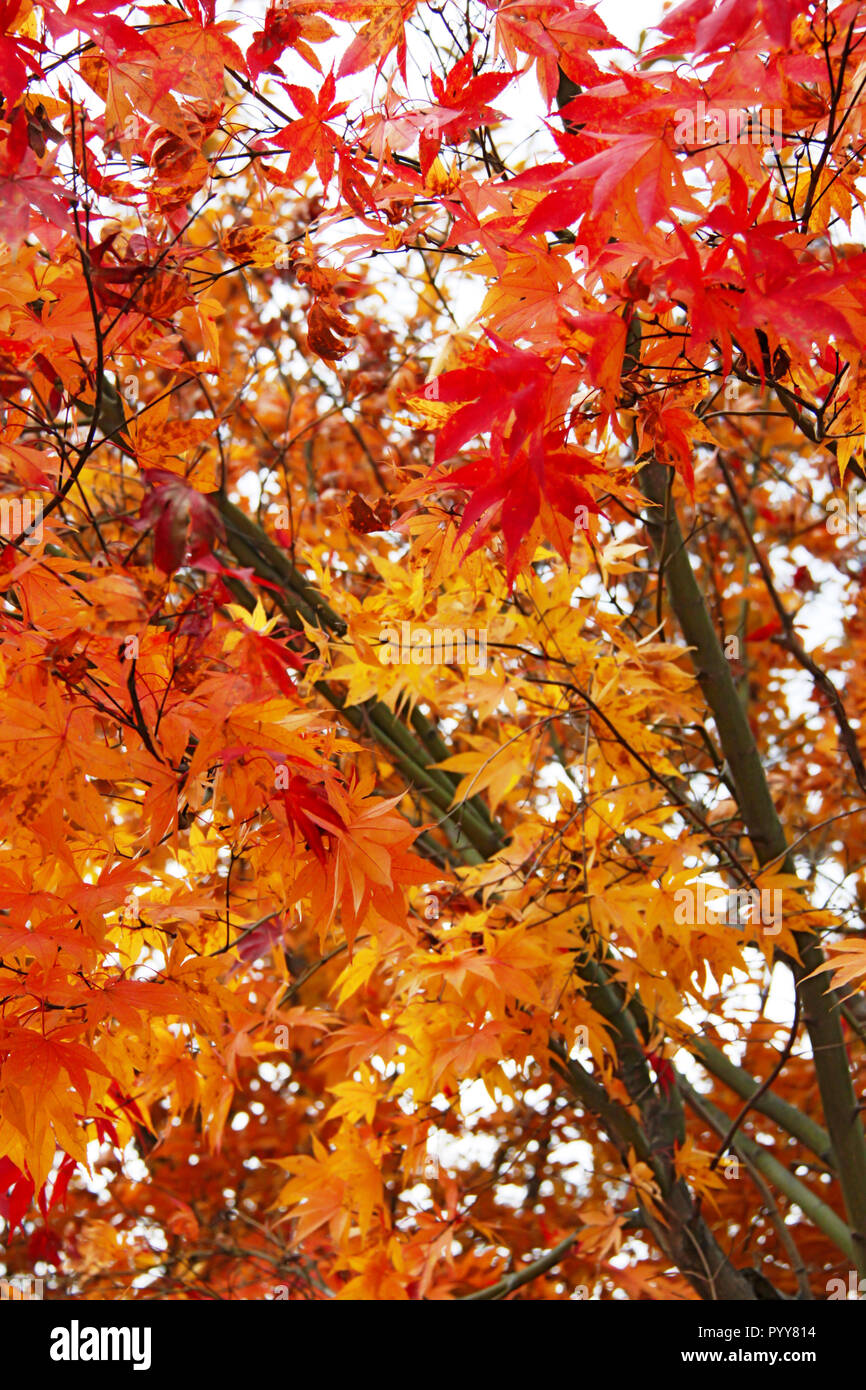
485	768
264	655
463	103
508	391
669	430
564	33
729	22
185	523
310	137
288	24
325	321
383	31
364	518
305	809
16	1194
18	54
329	1187
27	187
366	861
847	961
375	1278
518	491
95	18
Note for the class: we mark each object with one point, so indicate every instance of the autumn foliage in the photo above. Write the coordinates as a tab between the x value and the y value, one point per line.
430	576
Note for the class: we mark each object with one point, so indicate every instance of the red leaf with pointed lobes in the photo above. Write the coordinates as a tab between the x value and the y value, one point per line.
96	19
30	197
463	106
516	492
17	55
308	811
185	522
509	392
16	1194
288	24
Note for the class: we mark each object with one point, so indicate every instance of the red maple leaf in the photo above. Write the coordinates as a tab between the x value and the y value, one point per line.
305	809
310	139
185	522
463	106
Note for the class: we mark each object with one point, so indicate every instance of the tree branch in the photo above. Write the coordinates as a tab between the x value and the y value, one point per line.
522	1276
768	838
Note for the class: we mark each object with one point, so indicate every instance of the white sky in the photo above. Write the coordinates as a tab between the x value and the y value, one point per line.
626	19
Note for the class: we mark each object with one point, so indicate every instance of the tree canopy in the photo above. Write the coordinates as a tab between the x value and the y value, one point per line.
432	650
